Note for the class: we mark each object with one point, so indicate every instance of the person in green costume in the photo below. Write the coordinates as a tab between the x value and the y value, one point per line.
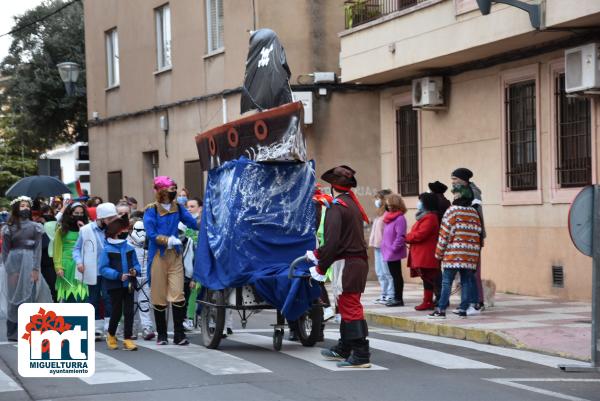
69	289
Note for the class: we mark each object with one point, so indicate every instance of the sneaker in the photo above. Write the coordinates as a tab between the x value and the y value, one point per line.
456	311
229	331
129	345
293	336
188	325
328	313
462	314
162	341
437	315
330	355
471	311
395	302
350	363
148	334
111	342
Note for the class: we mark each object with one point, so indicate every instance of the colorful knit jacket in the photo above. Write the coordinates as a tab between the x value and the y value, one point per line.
459	242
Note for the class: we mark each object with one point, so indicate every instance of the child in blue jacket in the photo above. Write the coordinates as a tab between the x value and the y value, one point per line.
119	266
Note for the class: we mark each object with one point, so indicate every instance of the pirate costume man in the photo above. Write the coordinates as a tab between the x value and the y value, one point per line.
165	264
345	250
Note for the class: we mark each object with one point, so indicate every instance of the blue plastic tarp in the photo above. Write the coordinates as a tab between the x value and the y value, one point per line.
257	218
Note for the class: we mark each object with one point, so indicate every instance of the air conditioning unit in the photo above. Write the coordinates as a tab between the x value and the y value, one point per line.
428	92
582	68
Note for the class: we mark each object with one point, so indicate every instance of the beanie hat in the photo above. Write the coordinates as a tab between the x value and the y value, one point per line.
463	173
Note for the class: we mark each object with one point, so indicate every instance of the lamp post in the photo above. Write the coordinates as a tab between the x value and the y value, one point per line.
69	73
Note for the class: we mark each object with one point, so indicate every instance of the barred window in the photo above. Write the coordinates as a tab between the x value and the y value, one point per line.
407	133
521	146
573	139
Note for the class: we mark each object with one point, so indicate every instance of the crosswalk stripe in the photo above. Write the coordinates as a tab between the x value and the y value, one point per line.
111	370
527	356
424	355
8	384
295	350
211	361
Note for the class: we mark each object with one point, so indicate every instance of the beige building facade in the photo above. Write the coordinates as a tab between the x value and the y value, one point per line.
505	116
161	72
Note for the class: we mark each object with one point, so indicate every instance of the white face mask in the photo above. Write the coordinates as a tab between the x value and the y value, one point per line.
377	203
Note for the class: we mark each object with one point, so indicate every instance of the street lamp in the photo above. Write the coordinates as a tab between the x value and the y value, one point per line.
69	72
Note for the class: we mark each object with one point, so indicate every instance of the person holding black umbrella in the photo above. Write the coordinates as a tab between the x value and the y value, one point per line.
21	257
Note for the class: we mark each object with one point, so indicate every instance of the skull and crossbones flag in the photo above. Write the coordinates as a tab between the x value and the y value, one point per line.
266	83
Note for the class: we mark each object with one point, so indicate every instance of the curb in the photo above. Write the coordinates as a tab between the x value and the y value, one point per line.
460	333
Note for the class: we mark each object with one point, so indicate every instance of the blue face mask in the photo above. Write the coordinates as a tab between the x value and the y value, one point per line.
182	200
377	203
420	206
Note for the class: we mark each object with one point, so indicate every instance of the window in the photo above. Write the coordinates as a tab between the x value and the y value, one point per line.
163	37
214	24
573	138
115	186
521	136
407	132
193	178
112	58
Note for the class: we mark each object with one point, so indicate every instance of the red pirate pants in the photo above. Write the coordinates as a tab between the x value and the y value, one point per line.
350	307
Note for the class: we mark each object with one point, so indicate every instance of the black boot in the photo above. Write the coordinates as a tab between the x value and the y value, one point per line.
356	333
179	312
12	329
322	333
160	319
342	349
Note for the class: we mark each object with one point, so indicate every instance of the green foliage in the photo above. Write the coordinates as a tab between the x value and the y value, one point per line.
43	114
16	159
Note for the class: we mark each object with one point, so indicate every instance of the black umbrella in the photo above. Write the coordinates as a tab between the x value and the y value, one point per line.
37	185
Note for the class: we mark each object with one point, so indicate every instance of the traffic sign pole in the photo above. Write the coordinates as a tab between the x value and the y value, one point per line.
595	218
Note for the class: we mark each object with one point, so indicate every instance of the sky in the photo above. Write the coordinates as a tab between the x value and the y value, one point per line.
8	9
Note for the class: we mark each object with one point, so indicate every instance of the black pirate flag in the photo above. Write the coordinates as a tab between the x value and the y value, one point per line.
266	83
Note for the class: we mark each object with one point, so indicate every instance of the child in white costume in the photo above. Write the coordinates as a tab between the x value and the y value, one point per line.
137	239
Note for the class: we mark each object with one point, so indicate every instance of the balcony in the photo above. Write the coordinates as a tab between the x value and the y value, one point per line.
414	37
358	12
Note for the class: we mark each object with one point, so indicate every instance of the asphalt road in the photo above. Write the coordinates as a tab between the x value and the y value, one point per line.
407	366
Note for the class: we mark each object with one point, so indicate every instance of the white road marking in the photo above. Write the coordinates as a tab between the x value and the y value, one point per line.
8	384
211	361
513	383
111	370
527	356
296	350
424	355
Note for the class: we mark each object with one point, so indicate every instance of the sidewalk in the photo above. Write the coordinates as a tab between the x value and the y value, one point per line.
534	323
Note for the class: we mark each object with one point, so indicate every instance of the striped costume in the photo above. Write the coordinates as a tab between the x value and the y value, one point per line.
459	242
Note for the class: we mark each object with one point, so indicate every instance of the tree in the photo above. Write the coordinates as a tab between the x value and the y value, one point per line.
42	115
16	160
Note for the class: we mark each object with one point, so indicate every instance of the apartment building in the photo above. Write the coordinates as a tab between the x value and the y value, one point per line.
159	72
505	115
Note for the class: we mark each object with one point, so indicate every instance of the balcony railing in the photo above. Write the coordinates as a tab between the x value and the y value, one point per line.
358	12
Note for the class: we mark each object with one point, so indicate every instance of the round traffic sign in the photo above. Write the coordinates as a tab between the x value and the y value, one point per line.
581	220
